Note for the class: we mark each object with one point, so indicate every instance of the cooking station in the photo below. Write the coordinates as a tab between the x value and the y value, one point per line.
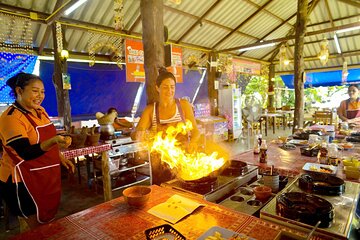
224	185
336	223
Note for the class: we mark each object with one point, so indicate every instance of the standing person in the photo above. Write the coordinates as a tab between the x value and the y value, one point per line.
30	180
160	115
350	108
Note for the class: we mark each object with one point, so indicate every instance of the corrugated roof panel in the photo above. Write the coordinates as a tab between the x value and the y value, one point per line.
178	25
341	9
260	25
131	12
207	35
258	53
279	33
38	33
231	13
319	13
282	8
235	40
197	8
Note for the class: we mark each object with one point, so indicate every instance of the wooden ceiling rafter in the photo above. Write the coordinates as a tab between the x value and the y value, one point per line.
59	11
136	22
311	7
199	20
268	12
207	21
48	30
273	30
242	24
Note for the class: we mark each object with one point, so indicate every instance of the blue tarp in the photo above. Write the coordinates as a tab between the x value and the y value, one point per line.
95	89
324	79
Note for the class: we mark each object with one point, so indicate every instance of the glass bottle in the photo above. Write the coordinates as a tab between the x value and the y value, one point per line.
263	152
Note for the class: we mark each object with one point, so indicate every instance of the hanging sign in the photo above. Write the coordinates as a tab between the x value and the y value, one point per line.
66	81
176	63
134	57
243	66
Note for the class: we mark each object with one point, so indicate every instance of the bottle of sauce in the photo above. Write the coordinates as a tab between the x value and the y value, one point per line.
263	152
323	154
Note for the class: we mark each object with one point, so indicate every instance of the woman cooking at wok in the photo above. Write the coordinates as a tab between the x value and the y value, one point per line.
160	115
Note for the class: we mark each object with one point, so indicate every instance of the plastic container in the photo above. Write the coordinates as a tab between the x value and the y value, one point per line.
163	232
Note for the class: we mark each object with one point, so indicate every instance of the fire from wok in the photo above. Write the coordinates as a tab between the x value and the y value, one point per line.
188	166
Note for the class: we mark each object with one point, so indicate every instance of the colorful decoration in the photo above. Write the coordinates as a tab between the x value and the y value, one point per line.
10	65
59	37
114	43
323	55
118	15
15	34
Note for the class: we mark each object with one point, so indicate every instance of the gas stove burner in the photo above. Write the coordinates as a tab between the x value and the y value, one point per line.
201	186
305	208
246	191
236	168
323	184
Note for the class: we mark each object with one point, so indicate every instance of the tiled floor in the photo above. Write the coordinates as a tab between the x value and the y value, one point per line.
77	197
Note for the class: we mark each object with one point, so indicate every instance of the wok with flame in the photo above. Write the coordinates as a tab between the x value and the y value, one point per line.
187	166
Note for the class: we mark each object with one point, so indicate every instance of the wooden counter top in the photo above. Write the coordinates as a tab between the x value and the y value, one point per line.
117	220
288	162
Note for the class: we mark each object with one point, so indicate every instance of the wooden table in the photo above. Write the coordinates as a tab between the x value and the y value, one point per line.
102	149
117	220
288	162
267	117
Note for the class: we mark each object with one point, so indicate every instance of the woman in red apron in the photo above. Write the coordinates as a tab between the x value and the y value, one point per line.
30	180
158	116
350	108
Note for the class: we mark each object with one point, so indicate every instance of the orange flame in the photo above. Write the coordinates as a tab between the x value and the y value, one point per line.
187	166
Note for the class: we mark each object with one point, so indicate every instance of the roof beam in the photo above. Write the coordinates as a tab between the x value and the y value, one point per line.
198	21
48	29
241	24
311	7
332	29
322	69
59	11
137	21
352	3
274	29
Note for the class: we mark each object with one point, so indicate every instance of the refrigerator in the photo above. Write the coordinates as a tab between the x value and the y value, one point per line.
230	106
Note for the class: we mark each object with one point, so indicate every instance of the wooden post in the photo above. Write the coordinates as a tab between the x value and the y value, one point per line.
62	96
212	92
299	74
153	41
271	88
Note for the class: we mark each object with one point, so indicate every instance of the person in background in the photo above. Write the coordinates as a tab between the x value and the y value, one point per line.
160	115
349	109
30	177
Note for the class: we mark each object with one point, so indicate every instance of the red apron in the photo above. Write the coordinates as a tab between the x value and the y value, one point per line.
350	114
41	176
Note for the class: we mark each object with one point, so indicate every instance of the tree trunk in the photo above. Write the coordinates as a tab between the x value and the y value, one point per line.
62	96
153	42
271	88
299	74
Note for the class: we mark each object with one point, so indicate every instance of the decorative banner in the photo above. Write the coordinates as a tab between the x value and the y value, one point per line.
134	61
66	81
176	64
243	66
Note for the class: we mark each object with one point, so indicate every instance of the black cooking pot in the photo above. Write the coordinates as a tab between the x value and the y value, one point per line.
235	168
305	208
321	183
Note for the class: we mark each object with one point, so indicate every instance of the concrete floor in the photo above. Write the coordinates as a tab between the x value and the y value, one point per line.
77	197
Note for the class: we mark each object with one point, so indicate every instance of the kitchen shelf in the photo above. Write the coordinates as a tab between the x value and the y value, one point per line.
128	167
139	179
